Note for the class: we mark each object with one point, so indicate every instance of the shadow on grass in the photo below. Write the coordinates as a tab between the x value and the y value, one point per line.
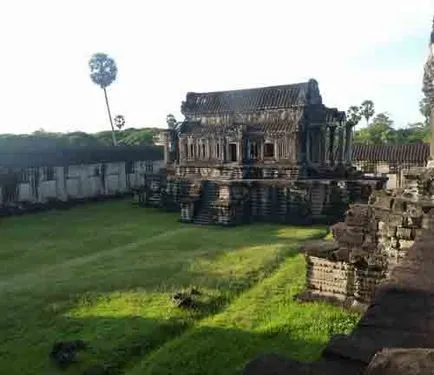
223	262
207	350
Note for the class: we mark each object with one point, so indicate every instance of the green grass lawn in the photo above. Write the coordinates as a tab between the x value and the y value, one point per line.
105	272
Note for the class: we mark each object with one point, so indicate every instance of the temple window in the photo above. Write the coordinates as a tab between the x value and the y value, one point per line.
186	150
269	150
218	150
191	151
203	151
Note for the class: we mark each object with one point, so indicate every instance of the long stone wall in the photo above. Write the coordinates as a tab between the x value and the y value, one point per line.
25	187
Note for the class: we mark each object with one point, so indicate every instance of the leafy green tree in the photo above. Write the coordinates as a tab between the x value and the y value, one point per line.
367	110
380	131
103	72
417	132
353	115
137	137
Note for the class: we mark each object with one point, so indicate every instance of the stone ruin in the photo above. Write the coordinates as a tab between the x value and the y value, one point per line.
375	236
380	259
264	154
372	240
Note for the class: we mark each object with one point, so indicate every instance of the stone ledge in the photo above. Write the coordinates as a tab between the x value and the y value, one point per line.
349	303
394	361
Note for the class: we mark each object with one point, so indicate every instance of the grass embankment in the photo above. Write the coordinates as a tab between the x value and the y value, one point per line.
105	273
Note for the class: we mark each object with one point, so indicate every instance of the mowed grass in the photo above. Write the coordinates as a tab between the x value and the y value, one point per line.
104	273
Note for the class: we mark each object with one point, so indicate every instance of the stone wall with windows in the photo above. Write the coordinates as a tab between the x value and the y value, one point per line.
25	186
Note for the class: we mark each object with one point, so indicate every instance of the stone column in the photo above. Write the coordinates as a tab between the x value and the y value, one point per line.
340	144
307	152
166	147
181	150
323	156
348	143
331	144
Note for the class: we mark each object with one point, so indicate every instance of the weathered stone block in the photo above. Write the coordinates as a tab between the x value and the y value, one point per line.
357	215
426	221
417	233
382	200
394	219
329	277
405	244
338	230
342	254
404	233
416	361
321	249
391	231
413	222
352	236
414	211
394	242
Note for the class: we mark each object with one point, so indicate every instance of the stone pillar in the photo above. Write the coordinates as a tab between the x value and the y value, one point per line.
307	152
166	147
222	149
340	144
331	156
181	150
348	143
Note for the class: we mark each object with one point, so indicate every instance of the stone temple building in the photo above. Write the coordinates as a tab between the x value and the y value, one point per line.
262	154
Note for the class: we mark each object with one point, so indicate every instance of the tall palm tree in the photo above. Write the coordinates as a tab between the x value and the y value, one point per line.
103	72
367	110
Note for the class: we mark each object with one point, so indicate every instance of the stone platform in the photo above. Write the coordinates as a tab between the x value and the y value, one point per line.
400	317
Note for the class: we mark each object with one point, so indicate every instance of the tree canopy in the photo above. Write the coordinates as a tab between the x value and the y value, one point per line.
42	140
103	69
381	129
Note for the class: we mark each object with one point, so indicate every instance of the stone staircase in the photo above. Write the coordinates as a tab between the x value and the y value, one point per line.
208	196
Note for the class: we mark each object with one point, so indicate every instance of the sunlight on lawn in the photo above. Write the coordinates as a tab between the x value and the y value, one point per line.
106	274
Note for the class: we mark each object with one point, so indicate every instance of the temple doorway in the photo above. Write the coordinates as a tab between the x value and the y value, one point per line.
232	151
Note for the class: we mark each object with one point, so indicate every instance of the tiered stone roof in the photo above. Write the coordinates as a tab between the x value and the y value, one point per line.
247	100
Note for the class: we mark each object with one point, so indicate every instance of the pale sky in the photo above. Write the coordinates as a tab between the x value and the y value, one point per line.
370	49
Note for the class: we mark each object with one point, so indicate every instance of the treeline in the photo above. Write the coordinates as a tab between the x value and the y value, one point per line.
42	140
380	128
